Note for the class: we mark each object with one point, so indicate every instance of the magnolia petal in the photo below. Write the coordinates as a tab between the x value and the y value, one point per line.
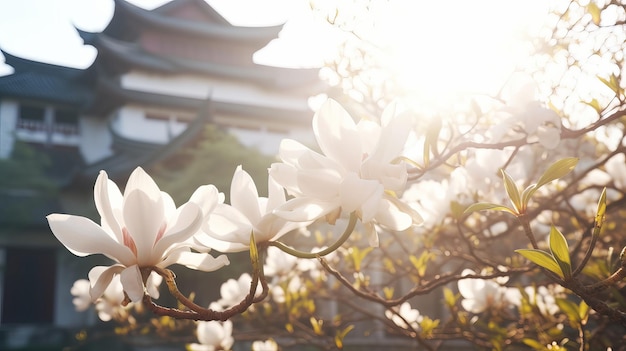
132	283
337	135
186	222
144	216
393	136
372	234
392	218
271	227
416	218
107	197
199	261
82	237
549	137
275	195
169	206
220	245
244	195
290	151
140	180
100	277
152	285
356	193
228	224
286	176
320	183
207	197
304	209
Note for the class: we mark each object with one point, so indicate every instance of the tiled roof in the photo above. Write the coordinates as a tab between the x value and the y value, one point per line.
41	81
38	86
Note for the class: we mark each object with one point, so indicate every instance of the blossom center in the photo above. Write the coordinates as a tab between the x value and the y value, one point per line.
160	233
129	242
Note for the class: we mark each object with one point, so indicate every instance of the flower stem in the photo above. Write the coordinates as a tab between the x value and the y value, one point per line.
527	230
342	239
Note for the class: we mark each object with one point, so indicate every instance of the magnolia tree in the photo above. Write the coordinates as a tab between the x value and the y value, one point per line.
494	226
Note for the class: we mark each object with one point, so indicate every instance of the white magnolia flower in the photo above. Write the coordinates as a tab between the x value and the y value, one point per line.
213	336
109	305
80	291
279	263
140	228
538	123
356	171
404	314
228	227
480	294
234	291
286	286
267	345
544	298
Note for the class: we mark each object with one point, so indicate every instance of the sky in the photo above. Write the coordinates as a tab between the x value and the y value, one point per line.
44	30
436	48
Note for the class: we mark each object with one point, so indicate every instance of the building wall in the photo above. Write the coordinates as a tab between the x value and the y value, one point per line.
149	125
8	119
217	89
95	139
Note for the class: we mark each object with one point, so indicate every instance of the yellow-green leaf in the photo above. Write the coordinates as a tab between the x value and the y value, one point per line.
571	310
482	206
557	170
527	193
534	344
594	102
595	13
560	251
512	191
254	252
431	139
583	310
341	334
317	325
449	297
600	212
542	259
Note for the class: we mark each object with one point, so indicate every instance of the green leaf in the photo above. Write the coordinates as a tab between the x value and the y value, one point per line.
527	193
431	139
571	310
560	251
583	310
611	83
512	191
341	334
254	252
595	13
534	344
600	212
482	206
542	259
449	297
594	102
557	170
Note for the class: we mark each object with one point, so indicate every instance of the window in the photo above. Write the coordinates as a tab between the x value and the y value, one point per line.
66	122
29	279
32	117
47	125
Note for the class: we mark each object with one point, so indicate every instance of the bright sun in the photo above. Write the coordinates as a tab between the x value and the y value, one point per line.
451	47
440	49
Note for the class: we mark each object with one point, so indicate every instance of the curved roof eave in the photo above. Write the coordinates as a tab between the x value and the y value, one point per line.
267	76
227	32
132	153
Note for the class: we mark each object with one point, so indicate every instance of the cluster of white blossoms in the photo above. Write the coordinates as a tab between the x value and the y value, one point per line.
360	172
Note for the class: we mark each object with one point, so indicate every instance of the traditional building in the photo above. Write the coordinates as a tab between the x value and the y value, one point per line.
158	77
